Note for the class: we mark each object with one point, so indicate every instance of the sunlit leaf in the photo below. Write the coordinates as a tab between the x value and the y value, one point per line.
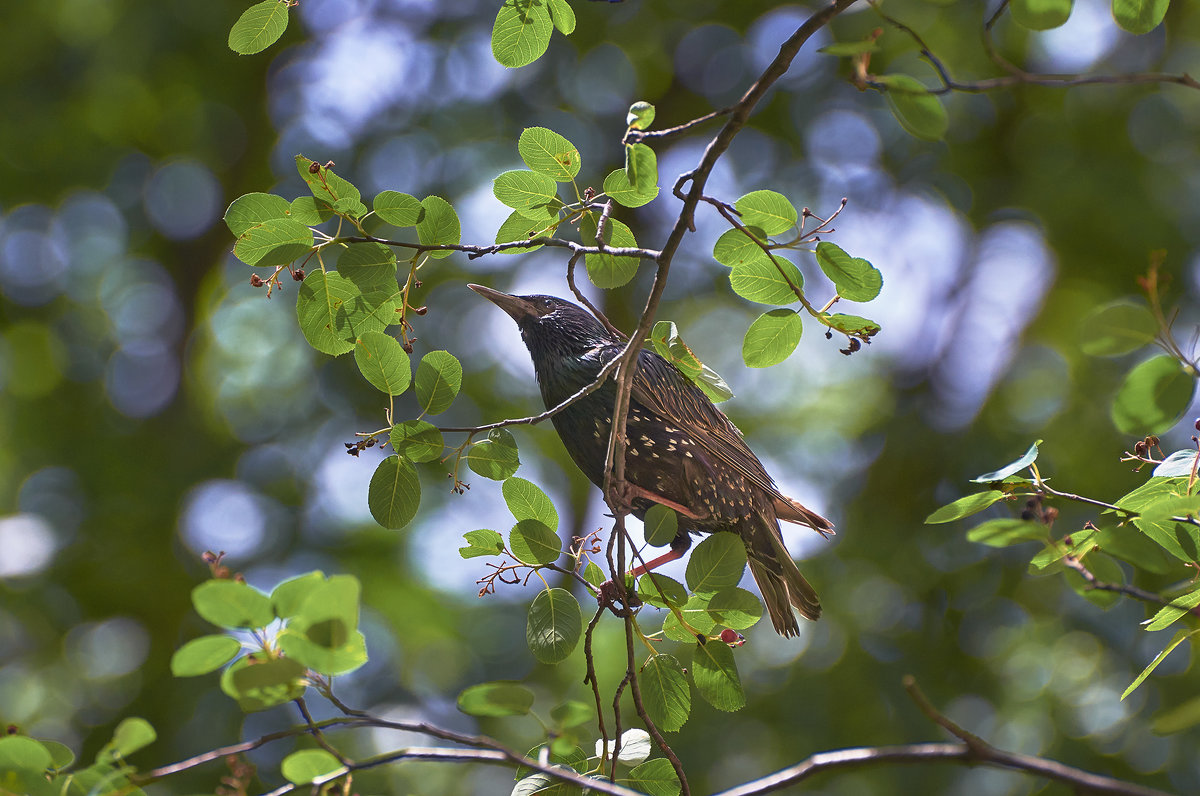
394	493
496	457
203	655
665	692
131	734
661	525
521	33
230	603
439	378
499	698
670	346
555	625
606	270
1153	396
383	362
1180	637
519	227
302	767
640	115
258	27
655	777
1011	468
854	278
370	266
483	542
641	168
964	507
1117	328
563	16
716	676
1179	463
532	542
735	246
1169	613
530	193
768	210
275	241
1005	532
765	282
617	185
547	152
659	590
253	209
398	209
417	440
527	501
735	608
771	338
1040	14
635	747
1139	16
717	562
439	226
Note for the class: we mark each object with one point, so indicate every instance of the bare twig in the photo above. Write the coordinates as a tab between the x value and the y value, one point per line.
473	251
641	136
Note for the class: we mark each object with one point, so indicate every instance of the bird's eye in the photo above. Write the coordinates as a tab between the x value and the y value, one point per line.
547	304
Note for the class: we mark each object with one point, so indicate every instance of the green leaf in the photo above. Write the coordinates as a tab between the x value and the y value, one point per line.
289	596
695	614
309	211
635	747
439	378
661	525
398	209
735	608
855	278
555	625
258	682
521	33
1011	468
1132	545
563	16
670	346
333	312
735	247
1153	396
659	590
772	338
518	227
253	209
527	502
499	698
606	270
228	603
1117	328
530	193
1139	16
336	597
1006	532
131	734
665	692
716	563
439	226
327	647
533	543
654	777
617	186
203	655
640	116
716	677
641	168
572	713
1040	14
964	507
1179	463
330	187
853	325
547	152
370	266
764	282
1180	637
1182	506
1177	718
1077	545
61	756
417	440
768	210
394	493
275	241
383	362
920	113
302	767
1172	611
22	753
593	574
483	542
496	457
258	27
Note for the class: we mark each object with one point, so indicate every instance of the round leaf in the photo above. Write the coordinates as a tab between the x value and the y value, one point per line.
383	362
417	440
735	608
258	682
716	677
617	185
655	777
439	225
1117	328
768	210
735	246
657	589
321	310
439	378
771	338
547	152
253	209
640	116
855	278
313	649
555	625
258	27
273	242
370	266
203	655
716	563
1040	14
496	457
1153	396
398	209
760	281
21	753
920	113
606	270
533	543
496	699
527	502
563	16
228	603
665	692
483	542
394	493
661	525
1139	16
528	192
635	747
290	595
641	168
518	227
521	32
301	768
131	734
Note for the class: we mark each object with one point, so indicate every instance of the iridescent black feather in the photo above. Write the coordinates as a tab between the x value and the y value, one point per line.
681	448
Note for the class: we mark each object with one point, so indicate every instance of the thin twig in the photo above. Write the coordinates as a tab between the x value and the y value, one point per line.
473	251
641	136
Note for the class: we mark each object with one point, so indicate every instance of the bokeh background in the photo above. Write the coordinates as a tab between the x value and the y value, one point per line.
153	405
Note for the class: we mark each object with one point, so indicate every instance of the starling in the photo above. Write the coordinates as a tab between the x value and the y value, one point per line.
681	450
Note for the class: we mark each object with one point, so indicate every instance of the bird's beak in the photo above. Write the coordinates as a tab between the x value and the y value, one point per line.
517	307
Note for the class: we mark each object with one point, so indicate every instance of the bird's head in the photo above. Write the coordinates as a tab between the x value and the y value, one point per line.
550	325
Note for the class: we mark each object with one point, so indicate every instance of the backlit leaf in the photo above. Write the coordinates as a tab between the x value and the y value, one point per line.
394	493
771	338
555	625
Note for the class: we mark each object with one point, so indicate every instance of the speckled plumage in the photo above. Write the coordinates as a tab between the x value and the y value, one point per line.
680	446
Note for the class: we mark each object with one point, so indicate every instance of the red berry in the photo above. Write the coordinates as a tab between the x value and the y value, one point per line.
730	636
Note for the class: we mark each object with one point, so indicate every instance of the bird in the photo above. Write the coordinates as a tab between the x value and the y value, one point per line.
681	451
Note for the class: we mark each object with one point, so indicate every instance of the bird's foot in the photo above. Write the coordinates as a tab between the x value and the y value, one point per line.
608	597
624	497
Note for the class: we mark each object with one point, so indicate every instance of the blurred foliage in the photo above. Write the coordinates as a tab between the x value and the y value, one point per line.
154	405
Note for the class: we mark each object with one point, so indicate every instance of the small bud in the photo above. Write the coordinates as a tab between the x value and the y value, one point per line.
407	346
329	164
256	280
314	168
298	274
421	310
1139	448
417	284
828	334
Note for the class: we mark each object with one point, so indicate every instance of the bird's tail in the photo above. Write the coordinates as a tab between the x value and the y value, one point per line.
778	578
790	510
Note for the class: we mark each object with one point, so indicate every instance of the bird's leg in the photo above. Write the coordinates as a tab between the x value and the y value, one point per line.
632	492
679	546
